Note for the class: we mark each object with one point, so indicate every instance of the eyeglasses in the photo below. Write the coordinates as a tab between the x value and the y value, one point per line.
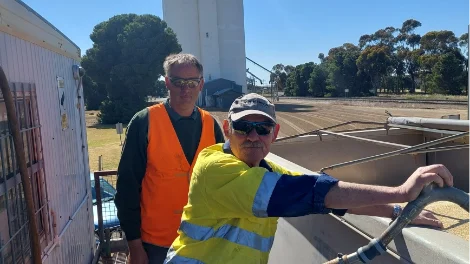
181	82
244	127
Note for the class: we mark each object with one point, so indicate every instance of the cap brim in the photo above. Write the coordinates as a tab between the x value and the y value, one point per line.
236	116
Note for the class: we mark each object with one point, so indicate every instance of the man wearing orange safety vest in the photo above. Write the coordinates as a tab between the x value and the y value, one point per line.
162	143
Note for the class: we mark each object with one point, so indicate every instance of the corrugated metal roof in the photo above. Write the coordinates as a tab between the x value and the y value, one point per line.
219	92
220	79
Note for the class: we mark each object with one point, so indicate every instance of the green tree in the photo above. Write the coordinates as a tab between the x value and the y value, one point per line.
408	42
127	58
341	66
93	93
374	61
305	70
279	76
343	73
439	49
438	42
291	83
317	81
321	57
382	37
160	89
447	74
385	38
463	43
297	81
288	69
390	58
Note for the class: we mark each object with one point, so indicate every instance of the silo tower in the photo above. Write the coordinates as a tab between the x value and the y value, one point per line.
213	31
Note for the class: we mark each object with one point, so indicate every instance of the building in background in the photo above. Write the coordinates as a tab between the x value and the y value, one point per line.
213	31
220	93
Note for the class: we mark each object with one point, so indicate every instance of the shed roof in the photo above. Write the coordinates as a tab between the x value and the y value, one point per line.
220	92
220	79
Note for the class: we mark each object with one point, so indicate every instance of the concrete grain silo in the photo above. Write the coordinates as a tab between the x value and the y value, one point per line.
213	31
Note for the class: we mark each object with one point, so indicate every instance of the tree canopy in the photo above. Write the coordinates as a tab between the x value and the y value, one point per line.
395	60
125	63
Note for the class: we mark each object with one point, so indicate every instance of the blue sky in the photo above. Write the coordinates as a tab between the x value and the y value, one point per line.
277	31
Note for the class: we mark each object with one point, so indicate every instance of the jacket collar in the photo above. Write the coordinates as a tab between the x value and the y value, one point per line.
175	116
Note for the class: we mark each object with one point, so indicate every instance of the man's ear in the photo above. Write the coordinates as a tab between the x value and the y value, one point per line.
201	84
167	82
226	127
276	131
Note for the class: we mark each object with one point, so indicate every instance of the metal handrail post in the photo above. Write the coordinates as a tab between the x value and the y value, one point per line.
99	209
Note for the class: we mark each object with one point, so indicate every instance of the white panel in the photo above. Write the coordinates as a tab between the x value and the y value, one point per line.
66	166
182	16
209	36
230	18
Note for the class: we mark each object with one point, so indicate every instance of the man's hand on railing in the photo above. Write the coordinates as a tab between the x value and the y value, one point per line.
423	176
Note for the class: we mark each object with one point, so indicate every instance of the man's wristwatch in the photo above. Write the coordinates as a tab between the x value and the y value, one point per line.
396	211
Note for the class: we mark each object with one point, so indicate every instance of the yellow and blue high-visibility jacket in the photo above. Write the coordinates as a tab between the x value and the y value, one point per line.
232	210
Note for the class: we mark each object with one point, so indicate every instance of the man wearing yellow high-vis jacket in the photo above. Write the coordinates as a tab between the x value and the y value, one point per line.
236	195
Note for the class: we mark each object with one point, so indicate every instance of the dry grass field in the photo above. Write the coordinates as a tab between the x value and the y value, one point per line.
102	140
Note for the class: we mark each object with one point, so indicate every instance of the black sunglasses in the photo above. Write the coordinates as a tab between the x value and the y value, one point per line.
244	127
181	82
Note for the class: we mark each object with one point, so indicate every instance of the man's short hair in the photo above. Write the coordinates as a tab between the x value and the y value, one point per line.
181	59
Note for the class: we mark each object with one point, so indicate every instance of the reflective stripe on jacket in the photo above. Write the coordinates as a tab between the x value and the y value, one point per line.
166	182
226	220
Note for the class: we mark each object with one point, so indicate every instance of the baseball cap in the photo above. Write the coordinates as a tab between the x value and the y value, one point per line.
250	104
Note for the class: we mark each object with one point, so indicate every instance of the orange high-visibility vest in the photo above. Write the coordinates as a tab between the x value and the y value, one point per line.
165	185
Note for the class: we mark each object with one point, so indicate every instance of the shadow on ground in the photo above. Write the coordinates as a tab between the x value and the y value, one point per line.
280	107
107	126
294	108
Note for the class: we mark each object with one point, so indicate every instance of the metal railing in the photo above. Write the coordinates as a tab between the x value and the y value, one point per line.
411	149
108	228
